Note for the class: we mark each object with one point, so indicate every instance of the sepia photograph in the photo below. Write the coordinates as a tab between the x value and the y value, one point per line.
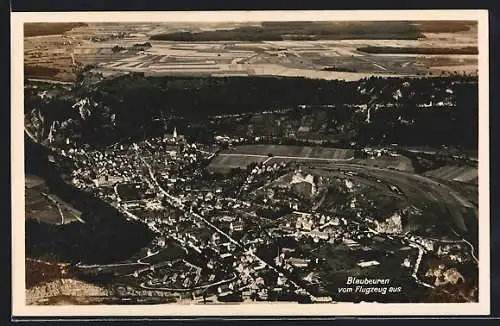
250	163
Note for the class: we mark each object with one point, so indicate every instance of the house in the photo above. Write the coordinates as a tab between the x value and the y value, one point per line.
226	255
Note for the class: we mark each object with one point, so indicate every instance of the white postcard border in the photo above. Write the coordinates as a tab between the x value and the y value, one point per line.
19	308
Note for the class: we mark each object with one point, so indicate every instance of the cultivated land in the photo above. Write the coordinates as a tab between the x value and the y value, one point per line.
293	222
44	206
57	57
293	151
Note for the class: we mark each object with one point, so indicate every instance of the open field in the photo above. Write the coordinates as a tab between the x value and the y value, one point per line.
414	50
38	207
226	162
437	199
241	156
455	173
60	56
399	162
32	181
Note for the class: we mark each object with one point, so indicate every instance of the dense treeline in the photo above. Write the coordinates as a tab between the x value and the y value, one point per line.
196	98
134	106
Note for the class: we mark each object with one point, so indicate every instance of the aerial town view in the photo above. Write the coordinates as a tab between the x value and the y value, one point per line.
215	163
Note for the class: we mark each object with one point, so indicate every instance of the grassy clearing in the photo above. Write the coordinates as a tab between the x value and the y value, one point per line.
414	50
171	252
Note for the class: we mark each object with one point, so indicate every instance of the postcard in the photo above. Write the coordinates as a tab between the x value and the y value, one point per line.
250	163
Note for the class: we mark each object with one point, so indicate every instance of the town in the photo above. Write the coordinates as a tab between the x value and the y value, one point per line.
266	233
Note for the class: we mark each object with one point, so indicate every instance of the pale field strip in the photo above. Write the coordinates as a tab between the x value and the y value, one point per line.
423	56
254	69
429	42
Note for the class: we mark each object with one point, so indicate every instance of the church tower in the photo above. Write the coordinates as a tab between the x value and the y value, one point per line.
175	133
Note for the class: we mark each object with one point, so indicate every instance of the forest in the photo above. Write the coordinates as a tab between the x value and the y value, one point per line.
430	111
